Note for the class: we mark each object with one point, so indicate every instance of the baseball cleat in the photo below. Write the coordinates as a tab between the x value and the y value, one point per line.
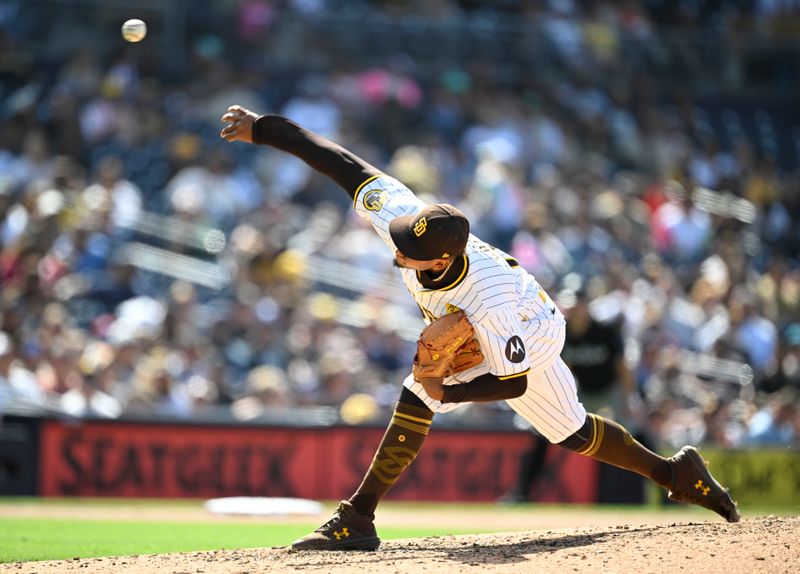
346	530
692	483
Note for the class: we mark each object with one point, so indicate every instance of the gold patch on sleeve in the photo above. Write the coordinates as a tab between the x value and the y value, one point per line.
374	199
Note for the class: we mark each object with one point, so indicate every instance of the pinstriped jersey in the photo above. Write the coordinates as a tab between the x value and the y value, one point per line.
503	302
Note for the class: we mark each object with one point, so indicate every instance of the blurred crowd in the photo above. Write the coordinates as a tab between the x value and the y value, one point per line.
150	269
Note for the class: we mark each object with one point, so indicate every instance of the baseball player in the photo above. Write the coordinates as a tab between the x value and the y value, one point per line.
520	333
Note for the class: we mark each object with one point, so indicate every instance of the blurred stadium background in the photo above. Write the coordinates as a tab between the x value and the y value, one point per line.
184	317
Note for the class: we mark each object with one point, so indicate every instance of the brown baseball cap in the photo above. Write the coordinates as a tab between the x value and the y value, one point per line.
438	231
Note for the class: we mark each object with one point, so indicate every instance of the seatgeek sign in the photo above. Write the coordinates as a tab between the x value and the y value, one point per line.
172	460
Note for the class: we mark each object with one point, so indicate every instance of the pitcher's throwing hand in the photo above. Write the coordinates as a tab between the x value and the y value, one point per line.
240	124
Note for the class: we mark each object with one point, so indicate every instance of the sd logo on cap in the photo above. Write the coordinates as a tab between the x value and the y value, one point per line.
438	231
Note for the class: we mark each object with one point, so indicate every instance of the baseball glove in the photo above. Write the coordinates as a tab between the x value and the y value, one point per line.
446	347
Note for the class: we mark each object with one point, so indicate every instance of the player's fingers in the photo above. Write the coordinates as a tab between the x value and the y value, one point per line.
239	111
228	132
232	117
234	112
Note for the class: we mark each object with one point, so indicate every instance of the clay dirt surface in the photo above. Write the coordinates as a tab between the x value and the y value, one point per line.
768	544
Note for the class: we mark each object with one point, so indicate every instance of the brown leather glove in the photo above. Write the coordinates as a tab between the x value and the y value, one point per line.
446	347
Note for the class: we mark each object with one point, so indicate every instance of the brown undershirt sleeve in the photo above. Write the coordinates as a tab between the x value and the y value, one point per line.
486	388
329	158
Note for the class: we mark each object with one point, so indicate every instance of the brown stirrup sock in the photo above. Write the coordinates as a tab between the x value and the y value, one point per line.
401	443
607	441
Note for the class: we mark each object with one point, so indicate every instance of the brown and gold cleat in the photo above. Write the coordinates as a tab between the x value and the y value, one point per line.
693	483
346	530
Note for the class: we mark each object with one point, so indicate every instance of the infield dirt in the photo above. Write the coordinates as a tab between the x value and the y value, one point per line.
768	544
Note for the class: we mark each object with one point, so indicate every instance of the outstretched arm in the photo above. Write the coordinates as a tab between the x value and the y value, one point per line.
325	156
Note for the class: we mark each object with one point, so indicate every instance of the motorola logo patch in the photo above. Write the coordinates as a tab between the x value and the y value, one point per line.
515	350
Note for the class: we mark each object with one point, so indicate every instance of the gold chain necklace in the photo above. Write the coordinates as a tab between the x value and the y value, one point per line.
446	269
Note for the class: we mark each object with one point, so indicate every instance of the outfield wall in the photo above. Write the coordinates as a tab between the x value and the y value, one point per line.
761	476
153	459
135	459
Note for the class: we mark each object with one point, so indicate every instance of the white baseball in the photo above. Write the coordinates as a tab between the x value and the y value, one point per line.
134	30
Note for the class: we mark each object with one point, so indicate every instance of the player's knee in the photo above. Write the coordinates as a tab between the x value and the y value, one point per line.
581	438
409	398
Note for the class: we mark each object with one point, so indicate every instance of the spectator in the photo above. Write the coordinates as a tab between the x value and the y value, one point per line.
775	423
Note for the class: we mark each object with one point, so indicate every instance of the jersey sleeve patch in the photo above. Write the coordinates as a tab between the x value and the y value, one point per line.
374	199
515	349
369	193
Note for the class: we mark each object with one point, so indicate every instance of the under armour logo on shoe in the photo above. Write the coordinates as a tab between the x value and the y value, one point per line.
705	489
343	534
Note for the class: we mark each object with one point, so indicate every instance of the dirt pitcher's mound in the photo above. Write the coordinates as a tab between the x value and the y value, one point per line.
769	545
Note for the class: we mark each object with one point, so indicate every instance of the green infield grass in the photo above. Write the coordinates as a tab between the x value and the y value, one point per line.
24	539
